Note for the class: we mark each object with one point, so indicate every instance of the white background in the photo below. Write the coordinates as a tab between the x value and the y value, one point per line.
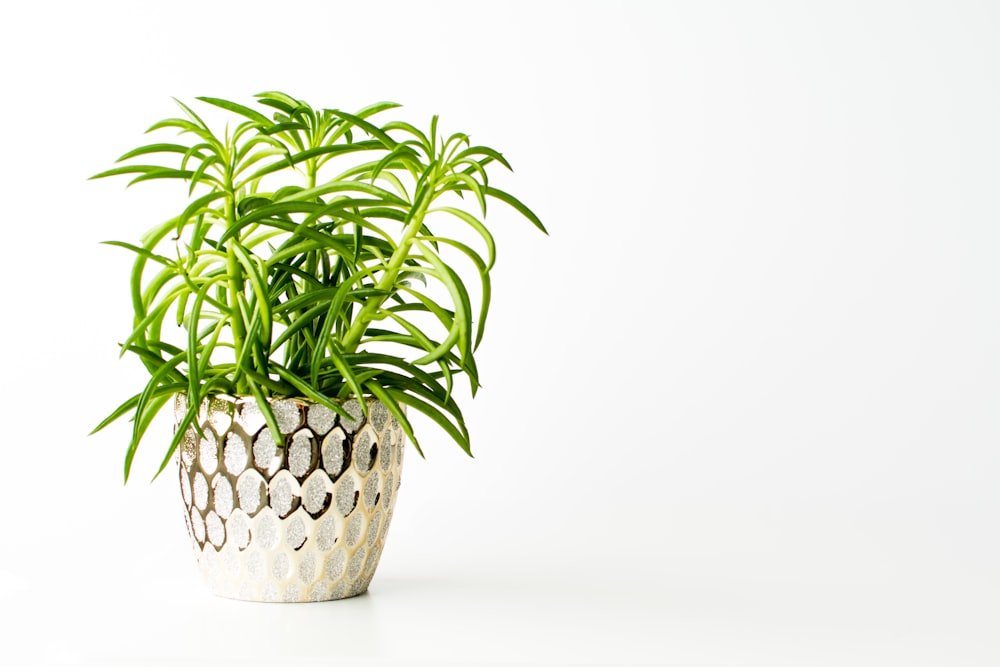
740	407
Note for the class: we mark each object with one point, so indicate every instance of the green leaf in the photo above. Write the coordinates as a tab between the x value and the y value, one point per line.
373	131
186	422
238	108
142	251
153	148
393	406
308	391
162	172
485	283
471	184
265	409
144	403
190	114
129	169
350	377
117	413
259	288
517	205
484	150
278	101
478	226
459	295
437	416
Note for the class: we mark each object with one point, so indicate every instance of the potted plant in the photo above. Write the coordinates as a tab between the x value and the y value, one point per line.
310	290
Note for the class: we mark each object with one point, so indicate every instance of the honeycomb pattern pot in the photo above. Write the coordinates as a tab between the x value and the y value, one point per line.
296	521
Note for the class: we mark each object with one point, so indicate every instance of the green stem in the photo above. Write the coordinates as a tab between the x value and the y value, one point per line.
388	280
235	289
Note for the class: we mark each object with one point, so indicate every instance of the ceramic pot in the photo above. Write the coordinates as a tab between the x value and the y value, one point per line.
294	521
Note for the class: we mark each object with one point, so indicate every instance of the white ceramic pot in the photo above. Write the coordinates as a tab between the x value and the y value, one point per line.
296	521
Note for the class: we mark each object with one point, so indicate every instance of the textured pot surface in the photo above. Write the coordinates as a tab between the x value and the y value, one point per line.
303	520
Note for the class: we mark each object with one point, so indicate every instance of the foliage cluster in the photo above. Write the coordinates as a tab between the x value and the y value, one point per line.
304	263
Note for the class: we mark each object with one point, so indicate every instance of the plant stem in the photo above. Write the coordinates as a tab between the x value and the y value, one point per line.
388	280
235	289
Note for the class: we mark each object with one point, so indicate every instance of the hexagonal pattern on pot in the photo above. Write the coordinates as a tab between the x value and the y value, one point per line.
303	519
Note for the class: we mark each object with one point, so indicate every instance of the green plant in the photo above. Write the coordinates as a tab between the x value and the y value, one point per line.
327	287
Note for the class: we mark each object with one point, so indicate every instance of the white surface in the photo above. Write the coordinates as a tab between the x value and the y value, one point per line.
762	339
